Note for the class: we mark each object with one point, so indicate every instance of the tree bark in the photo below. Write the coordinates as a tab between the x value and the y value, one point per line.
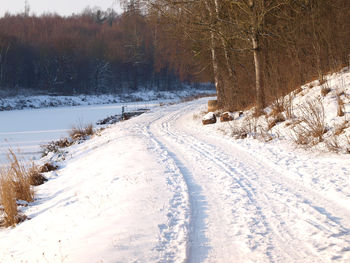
214	56
260	101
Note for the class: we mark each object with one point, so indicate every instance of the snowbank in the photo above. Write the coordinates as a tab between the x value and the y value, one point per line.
35	102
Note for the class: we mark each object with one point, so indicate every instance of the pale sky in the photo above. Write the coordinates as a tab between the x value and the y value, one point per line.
62	7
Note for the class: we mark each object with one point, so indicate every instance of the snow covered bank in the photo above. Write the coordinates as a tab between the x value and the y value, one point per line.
36	102
25	130
315	117
164	188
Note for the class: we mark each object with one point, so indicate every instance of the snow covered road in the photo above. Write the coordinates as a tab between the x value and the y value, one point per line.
163	188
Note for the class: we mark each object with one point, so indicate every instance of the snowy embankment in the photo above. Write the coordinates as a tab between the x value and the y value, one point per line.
44	101
163	188
40	120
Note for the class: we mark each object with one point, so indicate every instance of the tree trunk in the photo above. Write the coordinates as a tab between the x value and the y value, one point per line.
217	79
214	57
260	100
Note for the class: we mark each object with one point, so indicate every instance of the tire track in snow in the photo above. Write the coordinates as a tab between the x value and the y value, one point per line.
329	222
275	203
172	245
235	194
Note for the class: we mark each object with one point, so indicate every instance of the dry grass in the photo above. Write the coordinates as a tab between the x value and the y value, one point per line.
341	107
339	129
347	147
313	118
16	181
239	132
332	144
54	146
79	132
325	90
277	107
299	136
20	178
36	178
288	106
311	126
8	199
276	119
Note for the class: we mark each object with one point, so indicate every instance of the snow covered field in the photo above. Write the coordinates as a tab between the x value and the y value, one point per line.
163	188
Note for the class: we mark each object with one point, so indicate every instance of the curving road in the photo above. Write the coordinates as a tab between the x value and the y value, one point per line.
244	208
163	188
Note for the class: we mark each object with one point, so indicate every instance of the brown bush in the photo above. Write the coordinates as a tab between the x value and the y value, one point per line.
339	129
35	176
47	167
16	180
312	117
332	144
275	120
341	107
277	107
20	179
54	146
299	136
79	132
8	199
310	127
325	91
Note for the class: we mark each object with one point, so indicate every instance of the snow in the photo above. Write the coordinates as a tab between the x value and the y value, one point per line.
209	116
162	187
30	121
339	85
25	130
45	101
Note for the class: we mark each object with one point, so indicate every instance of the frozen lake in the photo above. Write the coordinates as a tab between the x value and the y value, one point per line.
25	130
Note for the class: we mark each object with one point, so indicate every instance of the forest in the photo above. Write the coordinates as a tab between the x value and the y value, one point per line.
259	50
94	52
254	51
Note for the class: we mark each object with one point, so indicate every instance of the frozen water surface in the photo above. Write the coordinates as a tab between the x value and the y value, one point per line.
25	130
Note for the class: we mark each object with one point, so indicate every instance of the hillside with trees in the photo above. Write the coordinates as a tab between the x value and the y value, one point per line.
258	50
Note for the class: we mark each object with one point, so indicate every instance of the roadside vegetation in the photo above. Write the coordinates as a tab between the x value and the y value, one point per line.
17	181
309	117
18	178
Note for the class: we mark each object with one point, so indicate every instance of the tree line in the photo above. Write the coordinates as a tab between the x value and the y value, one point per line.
258	50
90	53
254	51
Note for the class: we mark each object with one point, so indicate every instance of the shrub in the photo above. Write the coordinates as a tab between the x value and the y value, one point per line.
20	178
277	107
35	176
54	146
16	180
8	199
276	119
239	132
339	129
80	132
312	117
289	106
332	144
325	91
341	107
